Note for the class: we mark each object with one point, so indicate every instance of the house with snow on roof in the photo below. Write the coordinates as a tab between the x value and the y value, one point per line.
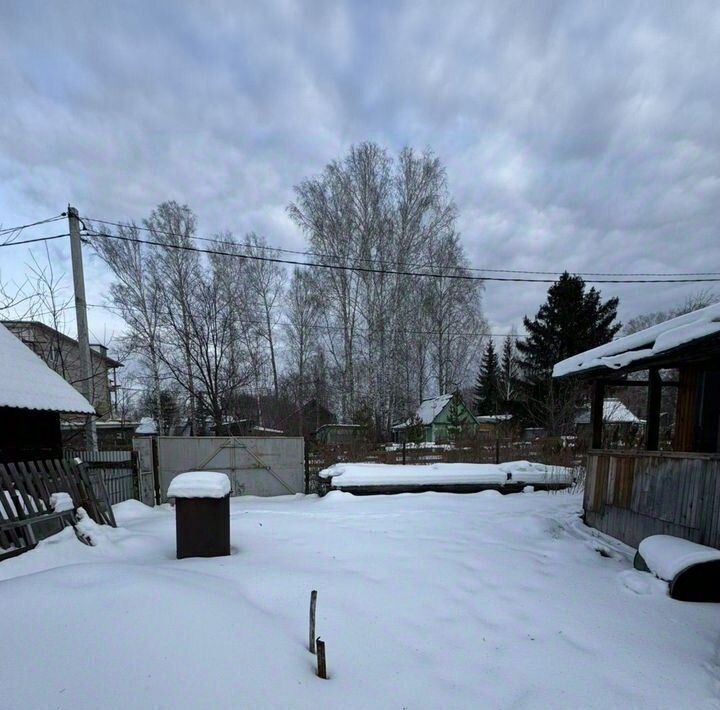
436	420
619	422
670	488
32	398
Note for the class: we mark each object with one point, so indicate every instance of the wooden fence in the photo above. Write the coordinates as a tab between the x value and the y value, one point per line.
26	509
631	495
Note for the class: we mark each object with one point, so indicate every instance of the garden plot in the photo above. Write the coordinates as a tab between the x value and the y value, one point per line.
425	601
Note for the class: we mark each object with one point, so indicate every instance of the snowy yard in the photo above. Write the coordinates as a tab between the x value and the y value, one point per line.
425	601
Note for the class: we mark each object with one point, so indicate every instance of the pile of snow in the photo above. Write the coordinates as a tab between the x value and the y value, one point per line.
429	596
61	502
645	343
27	382
666	556
349	475
199	484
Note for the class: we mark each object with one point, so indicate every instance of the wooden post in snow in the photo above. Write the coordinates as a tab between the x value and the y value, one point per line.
321	665
311	638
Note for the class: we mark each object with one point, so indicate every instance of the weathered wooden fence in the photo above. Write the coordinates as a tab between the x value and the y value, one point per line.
631	495
26	508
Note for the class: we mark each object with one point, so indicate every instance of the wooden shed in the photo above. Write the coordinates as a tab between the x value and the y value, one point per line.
668	488
32	397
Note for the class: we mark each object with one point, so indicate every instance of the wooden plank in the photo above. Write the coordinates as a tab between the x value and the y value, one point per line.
41	502
652	427
596	413
25	496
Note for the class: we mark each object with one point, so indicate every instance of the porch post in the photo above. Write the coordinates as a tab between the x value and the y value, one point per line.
596	413
652	438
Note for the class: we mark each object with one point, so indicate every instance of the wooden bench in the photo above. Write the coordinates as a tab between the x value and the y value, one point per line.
26	511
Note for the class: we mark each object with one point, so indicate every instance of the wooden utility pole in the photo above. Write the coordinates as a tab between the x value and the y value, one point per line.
82	324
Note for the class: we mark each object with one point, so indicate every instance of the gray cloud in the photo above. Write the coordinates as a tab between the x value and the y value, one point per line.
576	135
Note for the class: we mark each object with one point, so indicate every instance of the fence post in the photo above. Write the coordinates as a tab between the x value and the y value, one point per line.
135	463
404	445
497	449
156	470
306	456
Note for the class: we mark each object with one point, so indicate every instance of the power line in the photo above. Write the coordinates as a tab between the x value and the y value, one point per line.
32	241
5	230
324	326
391	272
404	264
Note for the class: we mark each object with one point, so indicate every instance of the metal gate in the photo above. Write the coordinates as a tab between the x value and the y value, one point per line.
258	466
111	472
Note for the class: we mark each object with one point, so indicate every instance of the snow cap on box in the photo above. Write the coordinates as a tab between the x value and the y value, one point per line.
199	484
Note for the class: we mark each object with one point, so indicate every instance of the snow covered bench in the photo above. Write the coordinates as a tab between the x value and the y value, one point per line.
691	570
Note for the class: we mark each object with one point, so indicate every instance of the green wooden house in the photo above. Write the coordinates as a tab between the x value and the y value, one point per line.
437	420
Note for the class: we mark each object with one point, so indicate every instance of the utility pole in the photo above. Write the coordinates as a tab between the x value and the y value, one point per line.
82	324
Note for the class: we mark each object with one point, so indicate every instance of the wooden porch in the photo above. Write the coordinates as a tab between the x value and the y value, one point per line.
633	494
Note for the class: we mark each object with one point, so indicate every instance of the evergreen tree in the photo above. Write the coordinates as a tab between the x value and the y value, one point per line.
571	320
487	387
508	372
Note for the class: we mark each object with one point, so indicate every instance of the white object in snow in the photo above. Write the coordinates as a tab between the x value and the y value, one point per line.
349	475
61	502
645	343
199	484
378	474
666	556
28	383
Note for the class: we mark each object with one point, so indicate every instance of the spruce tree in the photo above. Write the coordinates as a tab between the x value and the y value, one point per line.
571	320
508	372
487	387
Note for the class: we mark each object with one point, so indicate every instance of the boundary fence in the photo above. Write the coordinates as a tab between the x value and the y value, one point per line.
115	471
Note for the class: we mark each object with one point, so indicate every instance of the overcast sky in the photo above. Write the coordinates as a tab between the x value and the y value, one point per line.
576	135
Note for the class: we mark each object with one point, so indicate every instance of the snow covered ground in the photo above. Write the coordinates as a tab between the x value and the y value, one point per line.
425	601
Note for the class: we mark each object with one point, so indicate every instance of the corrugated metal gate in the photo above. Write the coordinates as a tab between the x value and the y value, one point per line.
259	466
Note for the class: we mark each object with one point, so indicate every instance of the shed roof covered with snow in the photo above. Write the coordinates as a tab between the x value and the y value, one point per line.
26	382
614	412
428	410
648	346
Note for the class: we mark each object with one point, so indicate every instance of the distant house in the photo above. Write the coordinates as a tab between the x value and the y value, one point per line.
493	424
333	434
62	354
433	420
307	419
619	422
32	398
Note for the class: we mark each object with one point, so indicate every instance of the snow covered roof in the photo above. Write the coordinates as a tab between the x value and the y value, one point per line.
147	426
428	410
494	418
644	344
614	412
26	382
